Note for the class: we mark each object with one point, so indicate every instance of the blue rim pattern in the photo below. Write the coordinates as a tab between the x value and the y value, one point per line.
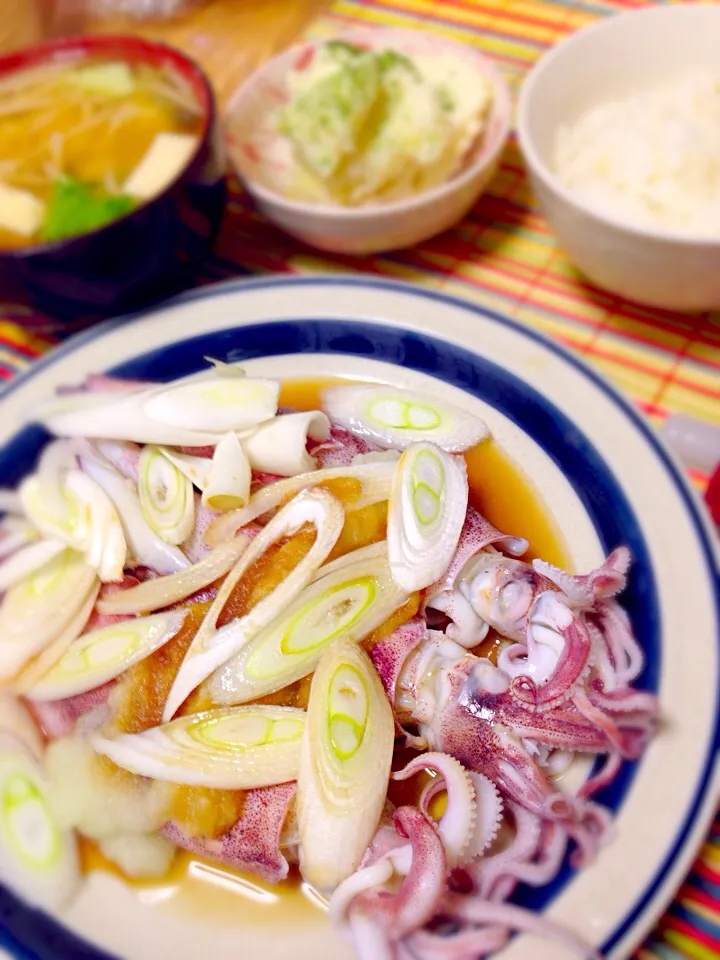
602	497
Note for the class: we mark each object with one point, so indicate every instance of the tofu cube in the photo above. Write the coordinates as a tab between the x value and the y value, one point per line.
165	159
20	211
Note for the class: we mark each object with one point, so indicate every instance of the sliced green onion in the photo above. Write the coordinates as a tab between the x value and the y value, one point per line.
194	411
196	469
38	860
166	497
427	509
10	502
351	601
217	405
66	505
115	417
37	610
146	546
396	418
104	547
15	720
15	532
280	445
165	591
345	763
102	655
212	646
375	480
227	486
224	369
55	512
47	658
28	560
239	748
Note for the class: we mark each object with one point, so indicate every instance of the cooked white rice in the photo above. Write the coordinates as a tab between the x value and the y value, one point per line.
652	159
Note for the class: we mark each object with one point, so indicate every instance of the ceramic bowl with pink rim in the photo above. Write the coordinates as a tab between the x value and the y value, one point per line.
262	156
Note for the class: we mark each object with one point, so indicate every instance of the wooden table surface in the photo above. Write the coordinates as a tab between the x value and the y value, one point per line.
229	38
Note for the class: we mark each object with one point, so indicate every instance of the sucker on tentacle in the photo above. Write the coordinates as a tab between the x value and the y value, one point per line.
457	824
603	583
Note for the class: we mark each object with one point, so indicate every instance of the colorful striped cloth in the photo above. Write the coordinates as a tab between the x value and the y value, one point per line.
503	256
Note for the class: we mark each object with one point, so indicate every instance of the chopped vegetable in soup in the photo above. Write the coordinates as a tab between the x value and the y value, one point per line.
75	138
75	208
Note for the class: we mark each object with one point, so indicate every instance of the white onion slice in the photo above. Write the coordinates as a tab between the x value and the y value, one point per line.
396	418
216	406
28	560
103	654
165	591
227	486
345	762
37	609
166	497
427	509
47	658
351	601
280	445
239	748
375	480
196	469
38	860
144	544
212	647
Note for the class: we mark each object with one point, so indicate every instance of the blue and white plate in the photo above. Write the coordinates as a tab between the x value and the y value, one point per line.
604	476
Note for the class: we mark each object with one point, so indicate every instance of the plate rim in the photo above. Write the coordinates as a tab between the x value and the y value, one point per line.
688	839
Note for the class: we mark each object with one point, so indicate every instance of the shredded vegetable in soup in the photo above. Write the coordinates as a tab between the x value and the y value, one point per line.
291	641
83	144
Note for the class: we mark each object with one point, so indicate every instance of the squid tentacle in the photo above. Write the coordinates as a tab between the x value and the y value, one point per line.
491	870
489	815
548	613
470	944
398	914
605	776
475	910
457	824
626	653
605	582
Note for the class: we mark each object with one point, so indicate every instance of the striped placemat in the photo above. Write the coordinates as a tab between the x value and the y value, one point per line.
504	256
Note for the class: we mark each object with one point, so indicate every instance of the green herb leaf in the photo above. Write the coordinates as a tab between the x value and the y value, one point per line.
75	208
344	48
387	59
